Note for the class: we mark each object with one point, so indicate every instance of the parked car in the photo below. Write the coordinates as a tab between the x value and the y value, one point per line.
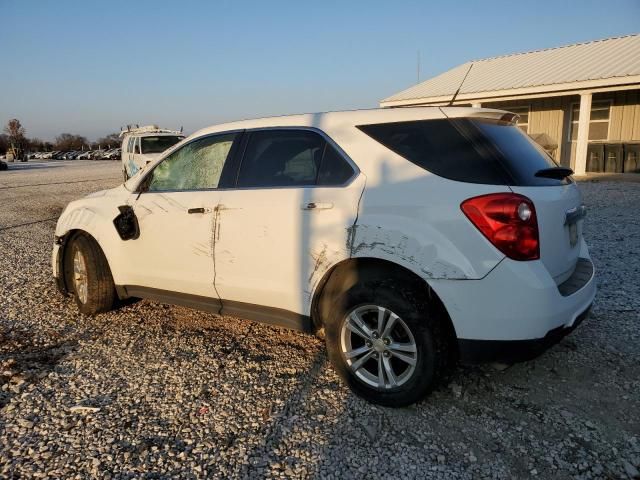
113	154
414	237
98	154
142	145
85	155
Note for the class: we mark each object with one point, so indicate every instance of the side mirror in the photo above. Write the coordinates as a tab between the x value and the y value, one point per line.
136	149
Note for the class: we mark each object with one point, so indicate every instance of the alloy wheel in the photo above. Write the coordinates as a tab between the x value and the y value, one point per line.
378	347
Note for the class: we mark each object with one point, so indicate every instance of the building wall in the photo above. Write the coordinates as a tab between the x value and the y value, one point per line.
552	116
625	115
546	115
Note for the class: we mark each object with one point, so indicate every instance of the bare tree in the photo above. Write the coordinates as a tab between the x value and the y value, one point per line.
110	141
15	130
69	141
15	134
35	144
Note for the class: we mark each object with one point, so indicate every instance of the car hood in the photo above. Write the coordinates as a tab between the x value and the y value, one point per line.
82	213
110	192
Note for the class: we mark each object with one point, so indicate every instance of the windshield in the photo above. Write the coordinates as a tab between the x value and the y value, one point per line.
159	144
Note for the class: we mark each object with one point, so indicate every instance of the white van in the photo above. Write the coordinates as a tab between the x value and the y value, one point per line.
141	145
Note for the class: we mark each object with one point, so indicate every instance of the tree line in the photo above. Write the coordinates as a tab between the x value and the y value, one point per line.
15	135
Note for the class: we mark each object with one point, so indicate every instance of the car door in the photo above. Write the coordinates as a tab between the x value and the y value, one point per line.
285	222
175	214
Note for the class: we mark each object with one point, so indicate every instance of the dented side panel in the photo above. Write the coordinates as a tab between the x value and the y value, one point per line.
412	217
425	231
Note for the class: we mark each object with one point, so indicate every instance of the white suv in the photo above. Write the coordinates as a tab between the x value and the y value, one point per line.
414	237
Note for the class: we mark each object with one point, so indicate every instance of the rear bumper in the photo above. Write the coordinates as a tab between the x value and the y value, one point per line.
516	311
513	351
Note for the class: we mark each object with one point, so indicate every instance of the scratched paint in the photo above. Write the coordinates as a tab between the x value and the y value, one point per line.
319	260
421	256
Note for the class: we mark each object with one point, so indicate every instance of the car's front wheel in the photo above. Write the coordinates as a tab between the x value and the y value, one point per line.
386	343
88	276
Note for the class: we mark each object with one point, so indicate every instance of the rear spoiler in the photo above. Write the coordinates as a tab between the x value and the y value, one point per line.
488	113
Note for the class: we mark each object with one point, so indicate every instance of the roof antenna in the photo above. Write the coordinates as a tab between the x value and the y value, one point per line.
461	83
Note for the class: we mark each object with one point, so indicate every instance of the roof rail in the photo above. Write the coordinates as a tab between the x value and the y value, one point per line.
133	130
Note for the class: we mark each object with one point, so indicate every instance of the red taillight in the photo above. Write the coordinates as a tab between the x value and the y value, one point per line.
509	222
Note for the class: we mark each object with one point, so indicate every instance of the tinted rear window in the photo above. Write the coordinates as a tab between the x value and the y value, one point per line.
468	150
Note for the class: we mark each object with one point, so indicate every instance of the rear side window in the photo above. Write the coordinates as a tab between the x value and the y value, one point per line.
467	150
289	158
334	169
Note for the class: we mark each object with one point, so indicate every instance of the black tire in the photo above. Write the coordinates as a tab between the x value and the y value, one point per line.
423	319
101	294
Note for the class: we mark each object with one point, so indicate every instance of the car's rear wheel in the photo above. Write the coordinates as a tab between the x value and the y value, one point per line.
387	343
88	276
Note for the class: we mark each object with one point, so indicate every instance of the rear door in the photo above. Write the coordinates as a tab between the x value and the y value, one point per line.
286	220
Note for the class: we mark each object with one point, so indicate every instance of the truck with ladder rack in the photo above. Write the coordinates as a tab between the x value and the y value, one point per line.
142	145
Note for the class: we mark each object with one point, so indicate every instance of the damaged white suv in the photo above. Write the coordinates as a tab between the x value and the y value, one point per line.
414	237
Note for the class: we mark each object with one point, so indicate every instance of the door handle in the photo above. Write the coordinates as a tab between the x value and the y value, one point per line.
196	210
317	206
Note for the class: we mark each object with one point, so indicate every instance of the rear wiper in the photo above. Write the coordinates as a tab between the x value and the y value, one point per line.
554	172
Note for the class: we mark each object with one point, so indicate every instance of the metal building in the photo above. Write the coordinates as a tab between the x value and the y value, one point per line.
581	101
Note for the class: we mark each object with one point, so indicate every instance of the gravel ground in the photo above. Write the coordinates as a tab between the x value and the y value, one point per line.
156	391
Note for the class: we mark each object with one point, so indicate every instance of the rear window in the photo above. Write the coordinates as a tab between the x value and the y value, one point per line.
158	144
468	150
